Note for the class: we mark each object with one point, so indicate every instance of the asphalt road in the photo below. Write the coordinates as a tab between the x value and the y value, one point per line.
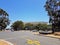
23	37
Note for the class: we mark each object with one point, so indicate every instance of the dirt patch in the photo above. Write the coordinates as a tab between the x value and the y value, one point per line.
3	42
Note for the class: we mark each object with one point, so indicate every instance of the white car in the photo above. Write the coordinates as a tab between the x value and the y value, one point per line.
45	32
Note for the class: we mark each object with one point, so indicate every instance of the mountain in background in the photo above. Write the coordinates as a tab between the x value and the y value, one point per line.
36	22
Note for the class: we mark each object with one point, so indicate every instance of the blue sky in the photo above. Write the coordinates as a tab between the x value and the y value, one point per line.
25	10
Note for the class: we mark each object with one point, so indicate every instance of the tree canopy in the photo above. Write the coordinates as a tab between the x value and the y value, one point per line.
29	26
4	20
18	25
53	9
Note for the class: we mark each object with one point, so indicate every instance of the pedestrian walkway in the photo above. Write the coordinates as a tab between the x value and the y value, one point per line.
53	36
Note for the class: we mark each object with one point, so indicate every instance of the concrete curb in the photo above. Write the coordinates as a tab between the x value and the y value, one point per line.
49	36
52	37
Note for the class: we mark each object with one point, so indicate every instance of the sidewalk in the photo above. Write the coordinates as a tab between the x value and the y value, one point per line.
53	36
3	42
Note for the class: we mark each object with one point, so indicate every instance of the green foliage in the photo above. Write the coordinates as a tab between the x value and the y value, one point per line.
38	26
4	20
29	26
41	26
51	7
49	26
18	25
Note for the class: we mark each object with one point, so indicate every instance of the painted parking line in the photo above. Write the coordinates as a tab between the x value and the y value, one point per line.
3	42
33	42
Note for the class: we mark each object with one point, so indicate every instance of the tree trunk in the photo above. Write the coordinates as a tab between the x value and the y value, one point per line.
53	28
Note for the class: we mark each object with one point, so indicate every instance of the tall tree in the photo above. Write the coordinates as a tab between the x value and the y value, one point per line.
53	9
4	19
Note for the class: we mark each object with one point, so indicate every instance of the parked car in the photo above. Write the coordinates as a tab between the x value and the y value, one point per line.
45	31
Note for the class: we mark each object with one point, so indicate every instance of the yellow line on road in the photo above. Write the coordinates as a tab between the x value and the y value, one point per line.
33	42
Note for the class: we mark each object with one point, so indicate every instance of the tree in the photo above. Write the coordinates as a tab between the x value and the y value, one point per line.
38	26
4	20
29	26
49	27
17	25
41	26
52	7
44	26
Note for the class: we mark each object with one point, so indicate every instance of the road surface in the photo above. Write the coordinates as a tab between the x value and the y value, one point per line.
28	38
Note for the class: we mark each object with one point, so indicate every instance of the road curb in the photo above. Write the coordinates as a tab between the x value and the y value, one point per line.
8	43
51	37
